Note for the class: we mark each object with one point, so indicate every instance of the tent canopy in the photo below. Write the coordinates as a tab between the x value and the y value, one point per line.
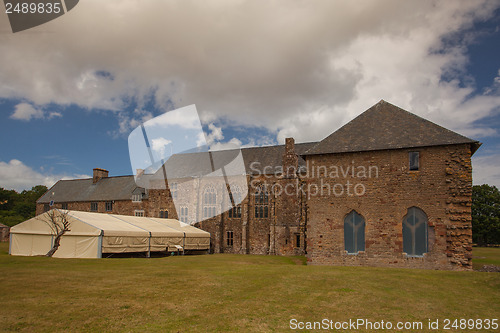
92	234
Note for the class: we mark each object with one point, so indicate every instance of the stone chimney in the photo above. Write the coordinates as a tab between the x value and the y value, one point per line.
98	174
290	159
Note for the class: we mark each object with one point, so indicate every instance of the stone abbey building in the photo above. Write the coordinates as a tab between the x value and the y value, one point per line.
387	189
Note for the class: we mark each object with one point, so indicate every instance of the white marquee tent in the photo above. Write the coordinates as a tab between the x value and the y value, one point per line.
92	234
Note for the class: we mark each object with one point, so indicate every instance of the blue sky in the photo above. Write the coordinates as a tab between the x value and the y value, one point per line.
72	90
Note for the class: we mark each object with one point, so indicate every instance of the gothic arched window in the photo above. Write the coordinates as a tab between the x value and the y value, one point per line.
354	232
415	232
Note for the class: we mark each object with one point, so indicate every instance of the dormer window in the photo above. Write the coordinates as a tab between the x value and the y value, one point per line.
136	197
414	160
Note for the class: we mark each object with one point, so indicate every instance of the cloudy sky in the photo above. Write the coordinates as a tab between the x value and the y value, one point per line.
72	90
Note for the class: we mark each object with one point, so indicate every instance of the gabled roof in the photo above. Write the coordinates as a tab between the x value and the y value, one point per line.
386	126
179	166
112	188
257	160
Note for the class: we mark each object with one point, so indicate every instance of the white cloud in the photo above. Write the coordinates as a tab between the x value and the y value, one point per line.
54	115
234	143
301	73
214	135
300	69
158	145
485	170
25	111
16	175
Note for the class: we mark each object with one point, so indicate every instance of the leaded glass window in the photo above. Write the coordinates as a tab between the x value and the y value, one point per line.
235	194
209	202
184	214
261	198
415	232
354	233
229	238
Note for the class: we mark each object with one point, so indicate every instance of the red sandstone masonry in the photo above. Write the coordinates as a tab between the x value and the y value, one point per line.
442	184
441	188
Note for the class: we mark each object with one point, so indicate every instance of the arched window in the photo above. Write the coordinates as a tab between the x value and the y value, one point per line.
261	198
354	232
235	194
209	202
163	213
415	232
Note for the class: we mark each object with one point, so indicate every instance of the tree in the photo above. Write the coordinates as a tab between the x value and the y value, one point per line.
485	214
17	207
59	224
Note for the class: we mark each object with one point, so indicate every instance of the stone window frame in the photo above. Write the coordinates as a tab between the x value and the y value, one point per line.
184	214
297	240
359	245
230	238
139	213
94	206
423	233
163	214
414	160
173	190
235	194
261	202
209	201
109	206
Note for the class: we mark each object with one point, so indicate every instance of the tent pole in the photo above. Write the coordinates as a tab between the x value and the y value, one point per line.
183	243
99	245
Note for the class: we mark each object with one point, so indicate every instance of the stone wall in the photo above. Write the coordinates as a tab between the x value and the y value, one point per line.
4	233
306	211
441	188
120	207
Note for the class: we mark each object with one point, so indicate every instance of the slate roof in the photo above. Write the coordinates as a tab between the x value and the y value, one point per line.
256	160
386	126
106	189
383	126
178	166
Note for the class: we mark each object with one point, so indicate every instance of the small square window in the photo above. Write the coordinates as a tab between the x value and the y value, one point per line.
64	205
46	207
414	160
164	214
109	206
93	206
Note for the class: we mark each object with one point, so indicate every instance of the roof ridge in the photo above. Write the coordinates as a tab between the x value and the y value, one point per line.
396	134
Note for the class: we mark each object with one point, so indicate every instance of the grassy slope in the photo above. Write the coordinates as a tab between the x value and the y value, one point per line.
226	293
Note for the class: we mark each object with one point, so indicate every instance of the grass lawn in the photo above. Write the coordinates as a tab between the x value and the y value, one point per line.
485	256
228	293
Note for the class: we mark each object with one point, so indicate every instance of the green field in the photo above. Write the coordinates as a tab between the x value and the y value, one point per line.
485	256
228	293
